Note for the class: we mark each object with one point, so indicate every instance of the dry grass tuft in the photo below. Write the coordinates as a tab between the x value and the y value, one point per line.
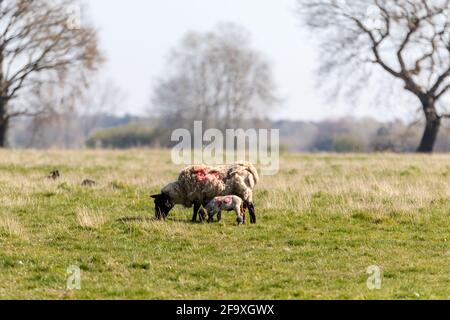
90	219
11	226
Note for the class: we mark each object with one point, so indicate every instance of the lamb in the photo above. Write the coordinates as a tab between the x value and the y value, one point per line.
198	185
227	203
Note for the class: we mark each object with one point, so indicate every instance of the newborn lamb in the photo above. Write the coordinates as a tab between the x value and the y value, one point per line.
227	203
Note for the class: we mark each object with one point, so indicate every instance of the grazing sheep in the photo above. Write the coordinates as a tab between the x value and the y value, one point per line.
227	203
198	185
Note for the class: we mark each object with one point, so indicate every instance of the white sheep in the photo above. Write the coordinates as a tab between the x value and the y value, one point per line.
198	185
227	203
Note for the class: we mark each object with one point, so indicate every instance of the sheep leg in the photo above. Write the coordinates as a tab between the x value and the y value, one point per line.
242	209
196	209
239	216
211	216
251	209
219	216
202	216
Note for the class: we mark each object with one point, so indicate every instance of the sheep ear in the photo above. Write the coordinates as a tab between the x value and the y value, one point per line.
155	196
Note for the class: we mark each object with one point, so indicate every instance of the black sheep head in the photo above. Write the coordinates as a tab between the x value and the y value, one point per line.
163	205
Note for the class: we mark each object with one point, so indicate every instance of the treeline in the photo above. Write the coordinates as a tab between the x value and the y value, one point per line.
128	136
343	135
354	135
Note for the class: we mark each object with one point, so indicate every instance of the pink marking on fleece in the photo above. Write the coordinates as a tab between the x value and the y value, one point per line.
228	200
203	174
224	200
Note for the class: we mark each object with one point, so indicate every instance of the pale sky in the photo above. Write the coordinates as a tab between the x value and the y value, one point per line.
137	35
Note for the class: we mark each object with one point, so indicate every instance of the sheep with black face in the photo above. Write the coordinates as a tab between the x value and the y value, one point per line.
198	185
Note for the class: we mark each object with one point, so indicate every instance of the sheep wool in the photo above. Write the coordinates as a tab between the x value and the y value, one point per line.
201	184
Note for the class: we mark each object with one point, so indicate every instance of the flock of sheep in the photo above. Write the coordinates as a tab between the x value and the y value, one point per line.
216	189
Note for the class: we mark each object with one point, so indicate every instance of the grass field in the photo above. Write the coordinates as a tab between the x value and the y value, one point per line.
323	220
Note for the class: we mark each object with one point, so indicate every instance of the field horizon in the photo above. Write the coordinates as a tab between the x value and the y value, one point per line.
322	222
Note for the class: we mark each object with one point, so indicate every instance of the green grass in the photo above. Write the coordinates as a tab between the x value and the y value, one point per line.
323	220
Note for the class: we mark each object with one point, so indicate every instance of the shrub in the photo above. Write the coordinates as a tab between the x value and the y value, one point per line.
124	137
347	144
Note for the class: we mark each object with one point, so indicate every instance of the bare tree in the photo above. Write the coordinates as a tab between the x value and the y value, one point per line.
215	77
39	45
406	39
68	113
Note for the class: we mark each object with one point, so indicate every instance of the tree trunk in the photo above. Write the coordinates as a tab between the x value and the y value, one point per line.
4	122
3	130
433	123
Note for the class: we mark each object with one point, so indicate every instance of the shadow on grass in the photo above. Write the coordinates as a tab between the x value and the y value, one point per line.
153	219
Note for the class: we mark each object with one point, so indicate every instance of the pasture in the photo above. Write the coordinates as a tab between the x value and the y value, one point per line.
322	221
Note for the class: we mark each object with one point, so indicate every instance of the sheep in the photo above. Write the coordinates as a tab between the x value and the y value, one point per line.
227	203
198	185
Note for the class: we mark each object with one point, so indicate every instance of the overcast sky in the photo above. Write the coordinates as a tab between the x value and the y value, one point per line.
137	35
